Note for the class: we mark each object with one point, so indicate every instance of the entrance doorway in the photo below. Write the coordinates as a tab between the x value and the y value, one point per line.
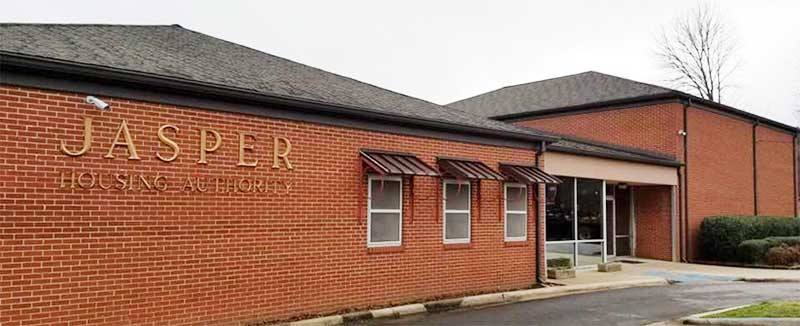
618	220
622	221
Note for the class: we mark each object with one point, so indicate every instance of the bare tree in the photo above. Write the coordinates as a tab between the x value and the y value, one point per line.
698	52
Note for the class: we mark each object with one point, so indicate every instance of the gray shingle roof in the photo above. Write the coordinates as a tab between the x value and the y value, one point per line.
584	88
175	52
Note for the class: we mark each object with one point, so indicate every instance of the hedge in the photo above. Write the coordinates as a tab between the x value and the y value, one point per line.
559	263
720	236
755	251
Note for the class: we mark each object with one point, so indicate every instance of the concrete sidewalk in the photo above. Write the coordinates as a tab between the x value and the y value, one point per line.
681	272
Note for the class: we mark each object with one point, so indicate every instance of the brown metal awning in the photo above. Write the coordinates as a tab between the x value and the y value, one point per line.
468	169
395	163
527	174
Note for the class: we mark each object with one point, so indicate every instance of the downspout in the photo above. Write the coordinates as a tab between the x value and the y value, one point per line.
794	166
681	229
685	236
755	170
539	238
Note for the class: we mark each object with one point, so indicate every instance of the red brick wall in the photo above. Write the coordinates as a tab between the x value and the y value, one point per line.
653	209
720	169
720	155
94	256
775	188
653	127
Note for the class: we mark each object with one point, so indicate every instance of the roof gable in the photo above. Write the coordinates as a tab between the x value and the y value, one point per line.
579	89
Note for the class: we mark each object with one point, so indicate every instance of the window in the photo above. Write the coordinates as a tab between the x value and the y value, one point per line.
385	209
516	220
456	211
590	209
560	217
576	221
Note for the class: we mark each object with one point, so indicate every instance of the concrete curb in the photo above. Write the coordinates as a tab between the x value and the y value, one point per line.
356	316
395	312
768	279
743	321
699	320
321	321
482	300
475	301
443	305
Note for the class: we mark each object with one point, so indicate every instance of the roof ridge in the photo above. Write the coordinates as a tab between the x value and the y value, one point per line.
516	85
550	79
637	82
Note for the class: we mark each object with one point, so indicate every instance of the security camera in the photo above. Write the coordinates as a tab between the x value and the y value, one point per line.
98	103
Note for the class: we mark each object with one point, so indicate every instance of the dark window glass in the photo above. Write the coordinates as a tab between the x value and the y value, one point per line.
610	189
590	209
560	206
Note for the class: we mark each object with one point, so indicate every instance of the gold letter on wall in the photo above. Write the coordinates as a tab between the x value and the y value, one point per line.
283	156
204	144
169	142
123	130
243	147
87	140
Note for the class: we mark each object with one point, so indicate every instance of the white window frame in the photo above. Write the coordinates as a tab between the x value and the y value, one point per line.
468	211
507	211
370	210
575	242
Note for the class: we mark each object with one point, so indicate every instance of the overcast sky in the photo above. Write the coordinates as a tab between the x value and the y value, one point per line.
444	51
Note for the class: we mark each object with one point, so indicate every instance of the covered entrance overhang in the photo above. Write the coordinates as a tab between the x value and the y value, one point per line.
608	207
575	165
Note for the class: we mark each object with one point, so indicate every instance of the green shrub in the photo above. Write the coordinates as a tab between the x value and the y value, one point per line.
559	263
755	251
720	236
784	255
752	251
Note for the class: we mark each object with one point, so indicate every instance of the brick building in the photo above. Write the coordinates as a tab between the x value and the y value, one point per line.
733	162
153	175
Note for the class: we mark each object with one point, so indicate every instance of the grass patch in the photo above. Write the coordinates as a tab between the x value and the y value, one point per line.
768	309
